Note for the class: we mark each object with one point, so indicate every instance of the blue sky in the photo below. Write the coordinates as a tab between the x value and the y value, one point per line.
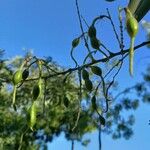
48	27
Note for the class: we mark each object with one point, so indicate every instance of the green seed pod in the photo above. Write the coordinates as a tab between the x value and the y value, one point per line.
17	77
96	70
36	91
88	85
66	101
131	23
92	31
14	97
132	28
32	115
25	74
93	100
75	42
95	43
85	74
102	120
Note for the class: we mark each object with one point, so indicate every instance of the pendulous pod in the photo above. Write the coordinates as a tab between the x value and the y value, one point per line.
88	85
17	77
37	90
95	43
92	31
132	29
93	100
25	74
85	74
32	115
75	42
96	70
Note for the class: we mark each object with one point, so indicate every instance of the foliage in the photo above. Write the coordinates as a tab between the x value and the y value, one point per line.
58	117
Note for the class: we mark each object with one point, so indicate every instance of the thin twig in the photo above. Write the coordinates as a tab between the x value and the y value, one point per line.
121	32
45	85
72	57
99	18
112	23
99	137
72	144
85	59
106	48
81	27
21	139
85	21
103	53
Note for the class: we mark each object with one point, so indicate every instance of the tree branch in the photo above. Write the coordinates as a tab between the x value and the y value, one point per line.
113	55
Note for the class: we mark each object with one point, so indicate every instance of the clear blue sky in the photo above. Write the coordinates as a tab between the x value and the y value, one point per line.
48	27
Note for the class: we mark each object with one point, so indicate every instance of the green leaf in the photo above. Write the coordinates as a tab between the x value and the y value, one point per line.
66	101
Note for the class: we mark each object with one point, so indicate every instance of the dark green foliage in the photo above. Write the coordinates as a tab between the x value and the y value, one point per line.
58	119
66	101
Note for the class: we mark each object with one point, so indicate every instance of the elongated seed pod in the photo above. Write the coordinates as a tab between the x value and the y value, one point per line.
92	31
37	90
32	115
131	56
25	74
132	29
95	43
17	77
93	100
88	85
85	74
96	70
14	97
